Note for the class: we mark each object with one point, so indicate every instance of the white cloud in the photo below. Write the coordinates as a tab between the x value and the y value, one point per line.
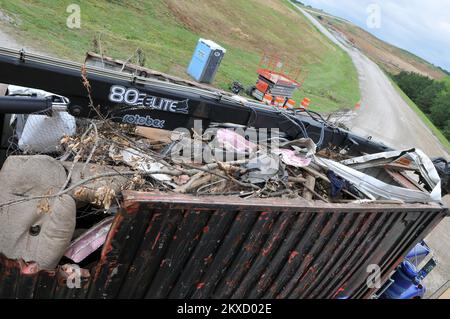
422	27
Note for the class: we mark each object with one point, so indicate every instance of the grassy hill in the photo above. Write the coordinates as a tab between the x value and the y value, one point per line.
167	31
391	58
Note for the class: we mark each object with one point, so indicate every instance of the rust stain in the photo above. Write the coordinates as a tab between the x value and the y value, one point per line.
131	207
200	285
308	259
208	259
30	268
292	256
156	240
150	227
341	289
107	248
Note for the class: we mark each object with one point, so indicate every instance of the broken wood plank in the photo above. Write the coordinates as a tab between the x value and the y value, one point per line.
309	185
155	135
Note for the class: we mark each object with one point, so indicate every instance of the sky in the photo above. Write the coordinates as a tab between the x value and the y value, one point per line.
419	26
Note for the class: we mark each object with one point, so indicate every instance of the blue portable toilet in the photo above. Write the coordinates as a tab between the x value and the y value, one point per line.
206	61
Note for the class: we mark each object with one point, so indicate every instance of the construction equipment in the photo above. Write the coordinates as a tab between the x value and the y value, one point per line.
127	98
276	78
236	87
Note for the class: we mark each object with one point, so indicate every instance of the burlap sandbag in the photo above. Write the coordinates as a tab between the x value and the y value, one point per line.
35	230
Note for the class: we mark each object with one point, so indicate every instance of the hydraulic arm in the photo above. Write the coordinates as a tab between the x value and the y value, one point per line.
131	99
146	102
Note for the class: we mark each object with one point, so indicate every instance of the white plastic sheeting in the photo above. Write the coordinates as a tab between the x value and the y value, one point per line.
40	133
376	189
413	158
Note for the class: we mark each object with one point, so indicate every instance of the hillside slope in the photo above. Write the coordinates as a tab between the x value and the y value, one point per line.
167	31
391	58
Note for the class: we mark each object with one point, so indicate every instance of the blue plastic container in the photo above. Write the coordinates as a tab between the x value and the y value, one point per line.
206	61
405	285
418	253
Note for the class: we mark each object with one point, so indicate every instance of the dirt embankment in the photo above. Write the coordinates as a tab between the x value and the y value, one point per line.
393	59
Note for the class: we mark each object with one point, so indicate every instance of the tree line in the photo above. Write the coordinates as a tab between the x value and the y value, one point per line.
431	96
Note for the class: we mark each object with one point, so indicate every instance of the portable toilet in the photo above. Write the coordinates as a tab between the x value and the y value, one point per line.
206	61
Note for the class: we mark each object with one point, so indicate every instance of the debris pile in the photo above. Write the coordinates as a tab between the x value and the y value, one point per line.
103	158
76	187
218	163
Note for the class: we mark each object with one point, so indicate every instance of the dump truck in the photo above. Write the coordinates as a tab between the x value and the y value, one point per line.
163	244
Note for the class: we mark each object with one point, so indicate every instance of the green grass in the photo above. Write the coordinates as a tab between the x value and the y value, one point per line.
444	141
168	39
446	82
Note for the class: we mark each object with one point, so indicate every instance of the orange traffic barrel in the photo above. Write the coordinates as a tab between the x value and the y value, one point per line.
279	101
267	99
305	103
290	103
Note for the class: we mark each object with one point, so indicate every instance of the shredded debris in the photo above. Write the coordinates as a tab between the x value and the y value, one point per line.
102	159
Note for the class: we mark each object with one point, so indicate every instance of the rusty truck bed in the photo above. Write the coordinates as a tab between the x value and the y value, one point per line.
173	246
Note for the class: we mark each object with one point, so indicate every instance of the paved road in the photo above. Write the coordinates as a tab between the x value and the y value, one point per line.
385	116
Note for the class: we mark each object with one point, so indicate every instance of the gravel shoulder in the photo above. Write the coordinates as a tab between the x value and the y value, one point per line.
7	41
